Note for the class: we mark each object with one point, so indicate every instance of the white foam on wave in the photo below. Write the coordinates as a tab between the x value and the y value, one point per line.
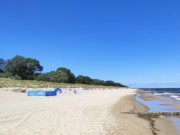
176	97
172	95
158	94
167	93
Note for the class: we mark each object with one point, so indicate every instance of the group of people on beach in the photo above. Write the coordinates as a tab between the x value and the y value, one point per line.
69	91
76	90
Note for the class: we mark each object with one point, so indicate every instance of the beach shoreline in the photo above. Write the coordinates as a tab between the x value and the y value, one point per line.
171	126
132	123
142	126
89	112
147	97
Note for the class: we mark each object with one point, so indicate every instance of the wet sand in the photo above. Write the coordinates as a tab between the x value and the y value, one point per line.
177	105
147	97
165	127
136	125
129	124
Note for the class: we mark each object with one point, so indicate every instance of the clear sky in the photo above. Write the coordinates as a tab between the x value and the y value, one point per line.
134	42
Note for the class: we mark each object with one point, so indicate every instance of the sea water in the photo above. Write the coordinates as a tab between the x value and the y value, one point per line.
172	94
157	105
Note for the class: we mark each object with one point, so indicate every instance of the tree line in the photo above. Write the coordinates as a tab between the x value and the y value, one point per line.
21	68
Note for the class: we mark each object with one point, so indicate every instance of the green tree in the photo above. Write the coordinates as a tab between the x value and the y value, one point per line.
53	76
16	66
84	80
119	85
2	65
110	83
58	76
42	77
98	82
33	66
71	76
23	67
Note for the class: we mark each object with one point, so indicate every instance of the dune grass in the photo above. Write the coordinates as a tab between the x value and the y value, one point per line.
7	82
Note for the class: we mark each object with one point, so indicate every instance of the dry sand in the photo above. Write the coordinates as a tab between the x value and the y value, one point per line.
87	113
165	127
90	112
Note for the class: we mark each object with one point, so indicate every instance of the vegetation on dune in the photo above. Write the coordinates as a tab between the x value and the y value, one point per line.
8	82
21	68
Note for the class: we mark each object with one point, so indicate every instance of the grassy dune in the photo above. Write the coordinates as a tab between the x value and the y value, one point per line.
7	82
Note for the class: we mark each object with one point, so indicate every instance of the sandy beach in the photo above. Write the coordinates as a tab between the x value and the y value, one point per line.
147	97
177	105
88	112
91	112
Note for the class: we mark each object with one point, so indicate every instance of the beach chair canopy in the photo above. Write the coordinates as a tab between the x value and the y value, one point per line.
58	89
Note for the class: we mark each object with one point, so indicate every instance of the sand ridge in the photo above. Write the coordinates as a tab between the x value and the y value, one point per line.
147	97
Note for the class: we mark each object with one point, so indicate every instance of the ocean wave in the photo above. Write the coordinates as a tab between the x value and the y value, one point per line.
158	94
176	97
165	93
168	93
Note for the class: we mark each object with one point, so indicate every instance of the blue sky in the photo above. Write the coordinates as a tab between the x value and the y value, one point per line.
132	42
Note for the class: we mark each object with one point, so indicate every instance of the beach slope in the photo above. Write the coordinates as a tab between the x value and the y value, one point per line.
88	113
